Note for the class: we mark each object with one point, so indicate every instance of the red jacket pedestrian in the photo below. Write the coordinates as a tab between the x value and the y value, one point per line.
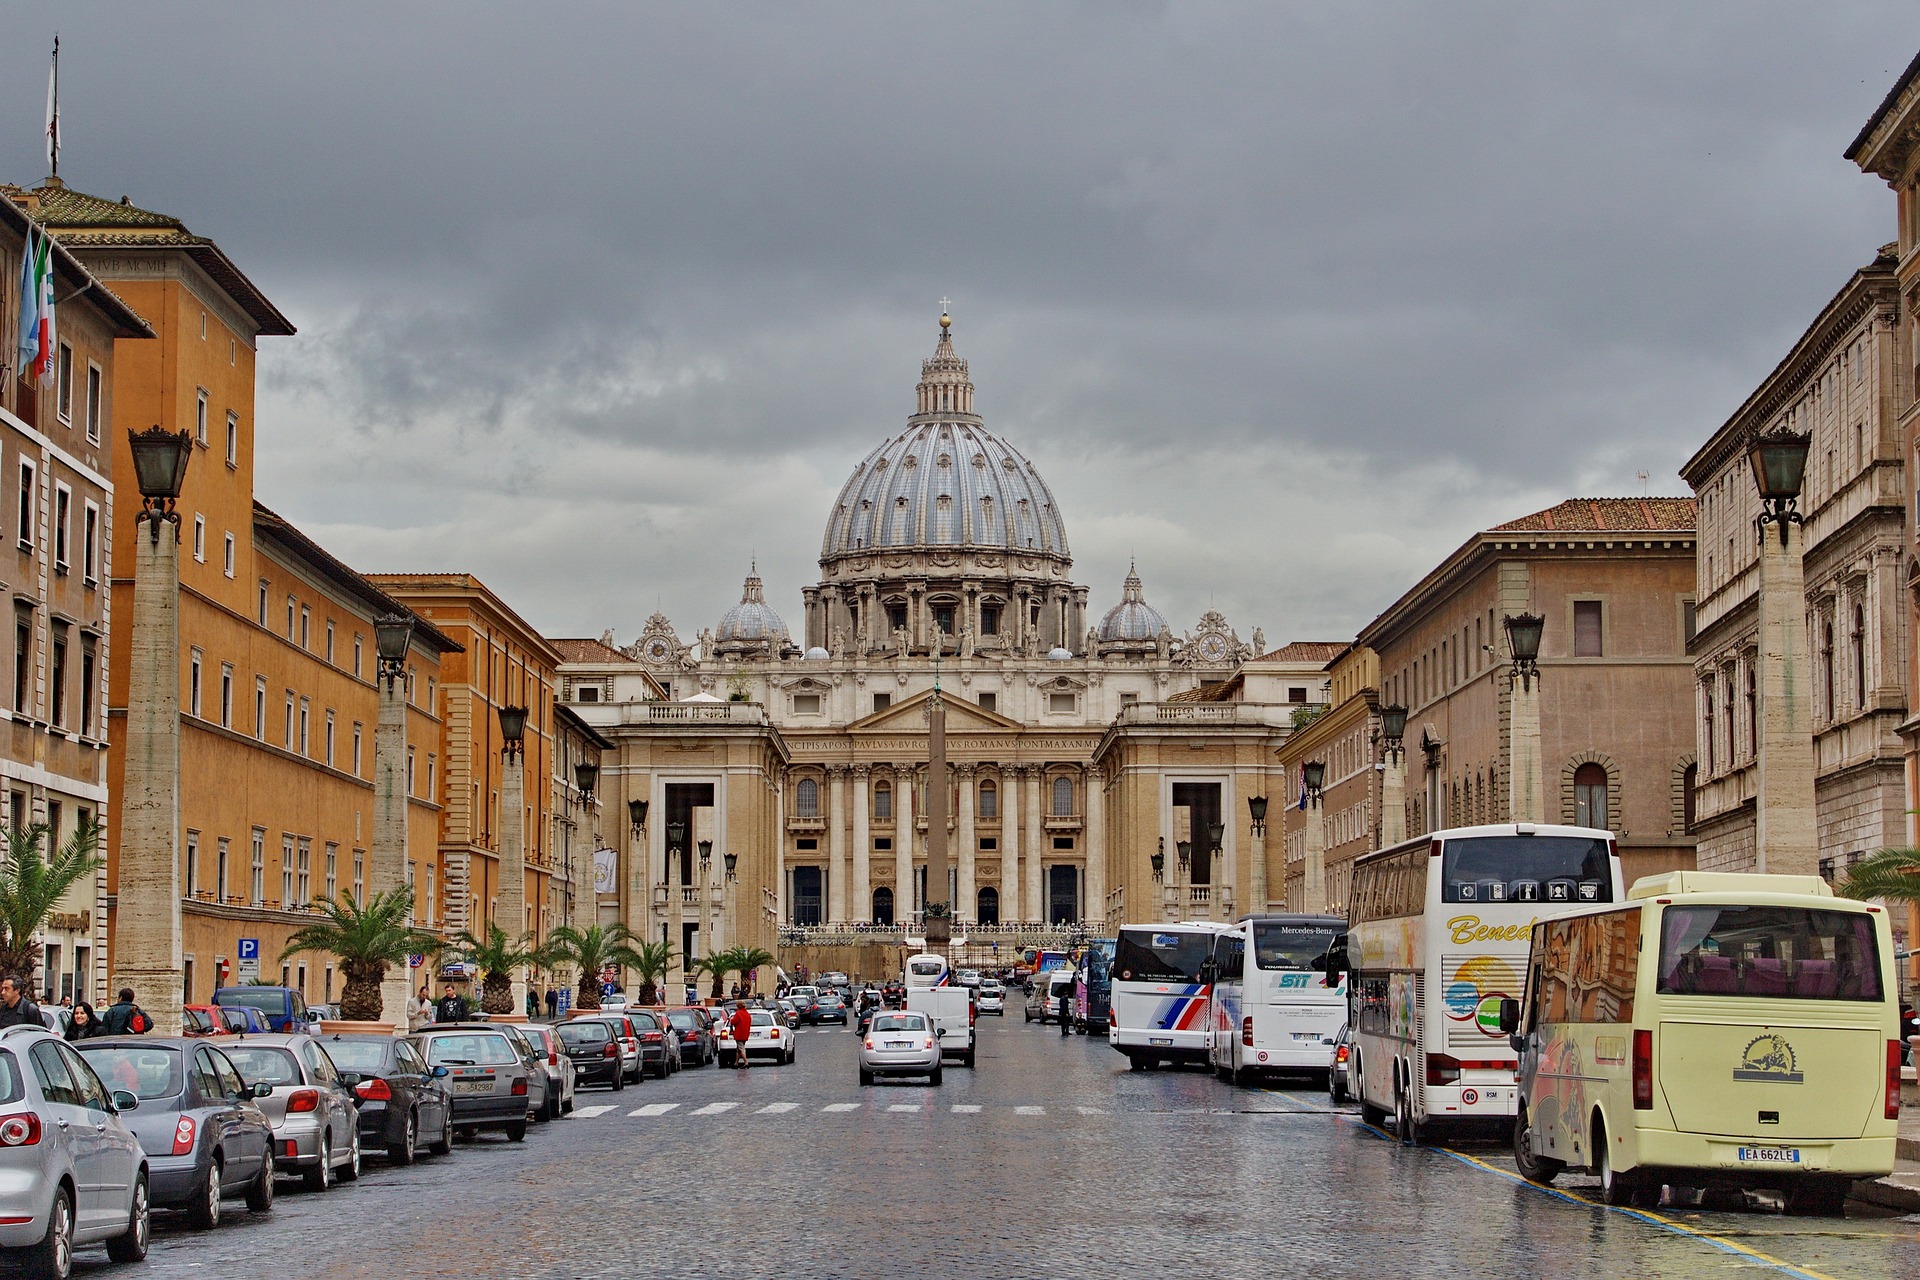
742	1028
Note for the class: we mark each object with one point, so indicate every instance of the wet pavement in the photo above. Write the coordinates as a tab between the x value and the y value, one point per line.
1049	1159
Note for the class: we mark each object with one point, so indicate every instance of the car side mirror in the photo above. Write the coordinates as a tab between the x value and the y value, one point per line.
940	1033
441	1073
349	1078
124	1101
262	1089
1509	1015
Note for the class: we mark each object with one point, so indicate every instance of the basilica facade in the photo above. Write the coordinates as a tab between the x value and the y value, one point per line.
767	782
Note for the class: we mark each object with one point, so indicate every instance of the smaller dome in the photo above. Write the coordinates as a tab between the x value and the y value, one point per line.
1058	654
816	654
752	621
1133	619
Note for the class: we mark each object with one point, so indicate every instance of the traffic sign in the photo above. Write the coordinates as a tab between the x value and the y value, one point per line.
250	949
415	960
248	969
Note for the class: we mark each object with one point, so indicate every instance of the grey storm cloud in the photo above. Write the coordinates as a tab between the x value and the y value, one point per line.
600	301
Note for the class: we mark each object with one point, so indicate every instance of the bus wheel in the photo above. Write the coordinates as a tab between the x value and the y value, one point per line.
1823	1196
1245	1077
1134	1063
1533	1168
1405	1128
1617	1187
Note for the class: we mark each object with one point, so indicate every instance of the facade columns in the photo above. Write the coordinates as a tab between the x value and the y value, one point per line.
1785	840
902	843
1035	894
1314	884
967	905
676	907
1010	844
1393	795
147	952
861	907
1095	886
511	914
1526	781
836	843
387	858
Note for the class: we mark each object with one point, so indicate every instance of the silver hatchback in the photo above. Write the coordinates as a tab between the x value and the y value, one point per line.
71	1172
315	1117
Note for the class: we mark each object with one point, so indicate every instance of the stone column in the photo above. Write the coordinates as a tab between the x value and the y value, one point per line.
902	843
1010	844
511	914
1095	907
1785	841
388	855
146	933
676	908
1036	834
967	905
1314	885
1526	782
836	843
861	908
639	909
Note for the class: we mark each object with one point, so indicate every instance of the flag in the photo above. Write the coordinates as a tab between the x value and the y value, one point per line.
42	368
28	344
1302	806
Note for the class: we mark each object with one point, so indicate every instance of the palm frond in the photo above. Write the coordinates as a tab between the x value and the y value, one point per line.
1892	875
33	883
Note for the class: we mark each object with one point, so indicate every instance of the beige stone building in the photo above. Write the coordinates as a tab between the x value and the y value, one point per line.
1345	738
1835	384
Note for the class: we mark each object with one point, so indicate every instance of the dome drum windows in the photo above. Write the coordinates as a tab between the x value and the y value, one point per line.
989	799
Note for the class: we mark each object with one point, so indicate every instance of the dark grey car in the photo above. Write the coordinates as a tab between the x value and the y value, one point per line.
199	1123
489	1075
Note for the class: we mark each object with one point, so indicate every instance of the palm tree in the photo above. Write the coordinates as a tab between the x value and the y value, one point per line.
366	939
32	885
744	960
497	955
652	962
718	966
1891	874
592	949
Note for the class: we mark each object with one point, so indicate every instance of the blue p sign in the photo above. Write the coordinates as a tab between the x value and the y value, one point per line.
249	948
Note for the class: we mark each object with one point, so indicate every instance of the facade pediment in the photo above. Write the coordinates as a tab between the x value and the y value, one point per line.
911	715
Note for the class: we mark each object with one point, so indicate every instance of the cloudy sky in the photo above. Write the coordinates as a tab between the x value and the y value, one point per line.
599	302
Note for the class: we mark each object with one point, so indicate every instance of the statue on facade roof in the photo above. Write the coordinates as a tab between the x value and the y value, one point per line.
966	641
837	645
1259	642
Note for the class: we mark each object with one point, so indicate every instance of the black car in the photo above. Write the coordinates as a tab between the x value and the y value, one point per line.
659	1046
402	1100
596	1058
808	1007
832	1007
697	1045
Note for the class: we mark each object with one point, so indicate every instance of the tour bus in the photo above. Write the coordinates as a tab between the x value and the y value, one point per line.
1093	987
1276	1007
1715	1029
1160	995
1441	926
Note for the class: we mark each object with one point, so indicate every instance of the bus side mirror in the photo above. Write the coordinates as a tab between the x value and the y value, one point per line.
1509	1016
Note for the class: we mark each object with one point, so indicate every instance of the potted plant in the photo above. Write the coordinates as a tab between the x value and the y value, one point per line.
32	885
592	949
366	940
497	955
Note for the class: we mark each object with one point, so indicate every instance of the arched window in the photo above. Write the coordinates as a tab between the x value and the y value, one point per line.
806	799
989	800
1826	665
1062	796
882	800
1689	778
1590	796
989	909
883	906
1859	658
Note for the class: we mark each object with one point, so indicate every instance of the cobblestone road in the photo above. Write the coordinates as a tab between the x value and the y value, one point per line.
1049	1160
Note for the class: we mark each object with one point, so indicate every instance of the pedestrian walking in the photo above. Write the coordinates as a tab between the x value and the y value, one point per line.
553	1004
1066	1009
420	1010
533	1002
452	1007
742	1028
15	1007
125	1017
85	1024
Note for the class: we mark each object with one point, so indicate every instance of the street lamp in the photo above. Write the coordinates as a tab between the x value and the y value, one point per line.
1393	724
1313	776
706	855
732	860
1257	809
1523	639
160	460
1217	832
676	835
585	774
1159	860
637	815
392	637
513	729
1779	461
1186	853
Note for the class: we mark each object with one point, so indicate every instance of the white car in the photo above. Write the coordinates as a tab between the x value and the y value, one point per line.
992	998
900	1043
770	1038
614	1001
967	977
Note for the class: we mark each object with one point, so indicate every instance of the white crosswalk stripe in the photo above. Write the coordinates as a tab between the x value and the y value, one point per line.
716	1108
904	1106
1029	1111
842	1106
1090	1111
588	1113
966	1109
653	1109
776	1108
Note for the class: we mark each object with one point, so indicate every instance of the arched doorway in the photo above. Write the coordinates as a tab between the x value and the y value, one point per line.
989	907
1590	796
883	906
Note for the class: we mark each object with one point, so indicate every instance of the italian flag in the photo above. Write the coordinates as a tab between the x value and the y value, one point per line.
36	309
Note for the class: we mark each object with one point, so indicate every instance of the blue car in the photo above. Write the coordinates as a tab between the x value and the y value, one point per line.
284	1008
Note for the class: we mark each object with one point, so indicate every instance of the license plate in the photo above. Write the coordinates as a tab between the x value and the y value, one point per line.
1770	1155
1167	1040
474	1086
1306	1035
899	1044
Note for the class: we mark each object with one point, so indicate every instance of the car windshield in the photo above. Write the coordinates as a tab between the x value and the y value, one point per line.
1291	946
1791	953
1526	869
196	1020
259	1062
899	1022
581	1033
483	1050
643	1022
830	997
684	1020
761	1017
265	999
368	1057
1150	955
145	1073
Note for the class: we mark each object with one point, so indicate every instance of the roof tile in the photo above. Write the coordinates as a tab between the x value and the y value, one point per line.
1608	515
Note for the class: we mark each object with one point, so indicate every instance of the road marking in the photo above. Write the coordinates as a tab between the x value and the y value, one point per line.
776	1108
843	1106
965	1109
1029	1111
715	1108
588	1113
1090	1111
653	1109
904	1106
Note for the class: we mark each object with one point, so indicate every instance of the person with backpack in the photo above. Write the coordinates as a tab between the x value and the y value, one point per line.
125	1018
15	1007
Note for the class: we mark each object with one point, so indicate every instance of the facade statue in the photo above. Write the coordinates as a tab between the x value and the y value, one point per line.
966	642
1259	642
1093	641
1163	644
900	640
837	645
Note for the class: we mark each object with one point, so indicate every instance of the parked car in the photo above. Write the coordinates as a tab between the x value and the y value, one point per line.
316	1124
1337	1087
318	1013
697	1048
225	1020
967	977
993	997
558	1066
659	1044
833	1008
401	1099
613	1000
628	1038
767	1039
61	1128
787	1012
538	1081
284	1008
488	1076
900	1044
835	981
198	1122
590	1043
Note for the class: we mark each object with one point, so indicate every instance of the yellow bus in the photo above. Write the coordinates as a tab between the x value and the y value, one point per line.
1715	1030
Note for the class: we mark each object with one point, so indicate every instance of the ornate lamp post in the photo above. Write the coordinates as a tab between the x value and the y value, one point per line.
1159	861
1786	840
676	848
586	776
392	639
1257	814
1393	775
147	931
1313	889
511	914
1526	781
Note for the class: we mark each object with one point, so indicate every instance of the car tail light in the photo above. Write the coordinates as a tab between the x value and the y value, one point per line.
651	1037
1442	1069
927	1045
1246	1031
1893	1080
374	1090
183	1131
1643	1070
1340	1054
553	1057
520	1087
303	1100
867	1043
613	1051
22	1130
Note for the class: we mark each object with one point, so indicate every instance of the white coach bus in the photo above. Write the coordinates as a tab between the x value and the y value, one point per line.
1275	1005
1441	927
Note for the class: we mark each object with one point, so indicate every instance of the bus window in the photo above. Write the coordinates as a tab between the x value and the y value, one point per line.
1796	953
1292	946
1147	955
1571	869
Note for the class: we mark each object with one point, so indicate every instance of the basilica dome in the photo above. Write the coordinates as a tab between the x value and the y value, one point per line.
752	623
1133	618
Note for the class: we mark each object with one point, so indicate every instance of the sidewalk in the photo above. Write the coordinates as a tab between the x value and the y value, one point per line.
1901	1189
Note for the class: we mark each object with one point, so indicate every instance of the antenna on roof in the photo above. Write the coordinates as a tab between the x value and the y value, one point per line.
53	112
1643	482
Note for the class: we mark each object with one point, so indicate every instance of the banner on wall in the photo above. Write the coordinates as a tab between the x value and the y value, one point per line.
606	876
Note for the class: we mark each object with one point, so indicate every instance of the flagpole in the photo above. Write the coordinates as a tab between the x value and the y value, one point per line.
53	109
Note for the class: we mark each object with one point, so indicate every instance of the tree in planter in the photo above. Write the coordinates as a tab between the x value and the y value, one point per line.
1891	874
744	960
497	956
366	940
714	966
651	964
592	949
32	885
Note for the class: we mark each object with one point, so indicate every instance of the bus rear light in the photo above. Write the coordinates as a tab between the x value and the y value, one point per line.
1246	1031
1643	1070
1442	1069
1893	1080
